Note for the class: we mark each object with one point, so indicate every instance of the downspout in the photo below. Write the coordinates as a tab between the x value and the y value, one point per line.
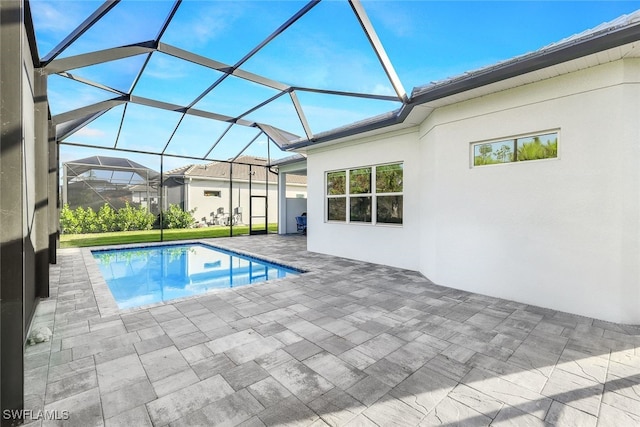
161	197
230	198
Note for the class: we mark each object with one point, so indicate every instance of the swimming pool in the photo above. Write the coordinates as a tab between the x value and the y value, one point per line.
146	275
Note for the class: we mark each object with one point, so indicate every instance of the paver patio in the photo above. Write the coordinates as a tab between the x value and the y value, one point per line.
347	343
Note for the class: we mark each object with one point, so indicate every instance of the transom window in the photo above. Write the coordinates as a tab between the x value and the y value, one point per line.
371	195
212	193
532	147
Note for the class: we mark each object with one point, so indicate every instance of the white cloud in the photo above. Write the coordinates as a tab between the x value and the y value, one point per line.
205	23
394	18
383	89
51	17
90	132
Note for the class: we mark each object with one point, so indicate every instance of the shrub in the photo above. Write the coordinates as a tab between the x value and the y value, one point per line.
107	220
144	219
175	217
88	220
130	218
68	221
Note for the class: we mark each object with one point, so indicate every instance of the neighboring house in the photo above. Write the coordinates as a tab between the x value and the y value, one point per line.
472	209
206	188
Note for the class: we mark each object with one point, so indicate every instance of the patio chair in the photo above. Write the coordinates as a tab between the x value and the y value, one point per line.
221	218
301	224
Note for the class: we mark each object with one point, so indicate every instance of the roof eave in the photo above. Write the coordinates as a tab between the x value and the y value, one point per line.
530	63
352	130
535	61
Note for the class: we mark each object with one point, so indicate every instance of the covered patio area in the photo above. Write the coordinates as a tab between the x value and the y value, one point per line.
347	343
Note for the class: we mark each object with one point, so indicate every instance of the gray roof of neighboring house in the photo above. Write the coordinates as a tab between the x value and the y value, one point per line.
78	167
240	171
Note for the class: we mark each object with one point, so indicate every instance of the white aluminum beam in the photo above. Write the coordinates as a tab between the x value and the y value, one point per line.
219	66
371	34
64	130
262	44
301	115
278	136
219	117
80	30
91	83
88	110
349	94
98	57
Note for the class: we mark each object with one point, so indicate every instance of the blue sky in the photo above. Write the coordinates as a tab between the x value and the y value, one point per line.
326	49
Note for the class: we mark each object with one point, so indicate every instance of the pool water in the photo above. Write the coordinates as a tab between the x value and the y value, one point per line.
147	275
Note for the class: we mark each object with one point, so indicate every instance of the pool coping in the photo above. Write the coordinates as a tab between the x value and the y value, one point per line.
107	305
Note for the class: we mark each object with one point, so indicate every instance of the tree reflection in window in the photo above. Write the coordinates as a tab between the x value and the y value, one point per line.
370	189
360	181
536	147
360	209
337	209
336	183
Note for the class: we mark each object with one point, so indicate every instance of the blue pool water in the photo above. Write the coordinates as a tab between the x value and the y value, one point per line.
147	275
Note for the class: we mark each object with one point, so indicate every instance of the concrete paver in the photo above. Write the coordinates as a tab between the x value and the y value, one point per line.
346	343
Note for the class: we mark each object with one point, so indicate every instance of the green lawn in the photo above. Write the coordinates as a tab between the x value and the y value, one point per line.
121	237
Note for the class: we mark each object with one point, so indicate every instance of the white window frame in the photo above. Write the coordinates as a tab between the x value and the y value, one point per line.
373	194
328	196
513	139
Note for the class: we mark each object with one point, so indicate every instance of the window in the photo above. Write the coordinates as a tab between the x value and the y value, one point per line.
360	184
533	147
370	195
389	189
212	193
337	196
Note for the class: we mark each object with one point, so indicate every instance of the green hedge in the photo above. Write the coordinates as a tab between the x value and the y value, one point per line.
83	221
175	217
80	220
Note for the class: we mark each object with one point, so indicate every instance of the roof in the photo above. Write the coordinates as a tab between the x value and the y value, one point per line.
295	158
625	22
239	172
117	162
80	166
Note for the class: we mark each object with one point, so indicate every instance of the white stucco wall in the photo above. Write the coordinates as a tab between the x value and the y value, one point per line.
559	233
240	193
296	191
295	207
385	244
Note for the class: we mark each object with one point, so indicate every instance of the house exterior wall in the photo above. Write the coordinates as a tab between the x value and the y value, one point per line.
295	207
296	191
558	233
240	194
394	245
